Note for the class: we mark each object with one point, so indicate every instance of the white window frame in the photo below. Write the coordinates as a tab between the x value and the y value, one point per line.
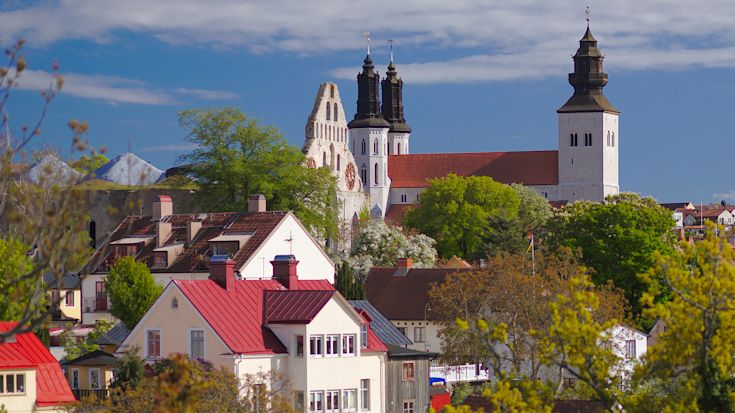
346	338
335	347
346	405
363	335
160	344
409	406
631	354
320	348
423	335
15	392
312	400
99	379
204	351
329	397
364	395
73	386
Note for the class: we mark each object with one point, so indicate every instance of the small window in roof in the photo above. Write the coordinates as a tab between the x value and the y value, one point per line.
174	302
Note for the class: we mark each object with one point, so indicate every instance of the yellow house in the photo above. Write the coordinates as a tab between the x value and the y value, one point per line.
92	373
65	297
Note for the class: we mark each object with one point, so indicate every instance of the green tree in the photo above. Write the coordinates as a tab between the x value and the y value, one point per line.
132	290
345	283
15	293
89	163
618	239
236	156
456	212
699	340
131	369
534	211
77	346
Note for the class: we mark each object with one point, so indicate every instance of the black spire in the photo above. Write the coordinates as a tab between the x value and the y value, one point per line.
368	98
588	79
393	99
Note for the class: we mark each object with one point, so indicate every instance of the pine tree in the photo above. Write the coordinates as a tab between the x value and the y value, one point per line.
345	283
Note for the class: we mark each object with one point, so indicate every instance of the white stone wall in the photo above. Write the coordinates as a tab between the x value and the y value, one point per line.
550	192
588	172
411	195
377	185
398	143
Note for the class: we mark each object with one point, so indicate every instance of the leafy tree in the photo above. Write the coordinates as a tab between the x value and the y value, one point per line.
132	290
130	371
618	239
456	212
75	347
46	217
345	283
507	236
236	156
380	245
699	340
534	211
90	163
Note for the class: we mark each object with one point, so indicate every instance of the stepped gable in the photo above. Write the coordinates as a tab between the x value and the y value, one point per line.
129	169
527	168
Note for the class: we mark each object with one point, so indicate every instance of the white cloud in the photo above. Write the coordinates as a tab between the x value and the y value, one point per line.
727	196
169	148
206	94
488	40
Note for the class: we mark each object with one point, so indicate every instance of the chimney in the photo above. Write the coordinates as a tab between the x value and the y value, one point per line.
256	203
162	207
222	271
163	231
284	271
404	265
192	228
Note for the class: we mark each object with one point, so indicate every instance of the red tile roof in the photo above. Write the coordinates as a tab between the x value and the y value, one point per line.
237	315
28	351
294	306
528	168
395	213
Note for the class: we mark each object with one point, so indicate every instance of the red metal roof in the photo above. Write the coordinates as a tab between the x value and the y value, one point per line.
294	306
28	351
528	168
237	315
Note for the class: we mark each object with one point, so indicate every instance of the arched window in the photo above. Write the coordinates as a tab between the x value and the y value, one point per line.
328	109
363	174
375	147
324	159
338	162
336	112
363	146
376	173
613	139
399	148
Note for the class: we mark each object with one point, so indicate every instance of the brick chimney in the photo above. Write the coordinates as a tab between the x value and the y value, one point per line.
162	206
403	266
284	271
222	271
256	203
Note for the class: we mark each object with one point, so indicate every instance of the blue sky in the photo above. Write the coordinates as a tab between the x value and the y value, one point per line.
479	75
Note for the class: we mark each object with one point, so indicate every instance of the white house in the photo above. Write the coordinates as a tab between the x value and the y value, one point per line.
178	247
302	329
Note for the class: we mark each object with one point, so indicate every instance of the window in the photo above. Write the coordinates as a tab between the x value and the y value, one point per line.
402	330
363	174
587	139
613	139
630	349
332	401
153	343
570	382
338	162
315	346
329	108
348	344
376	173
94	379
74	379
227	248
174	302
363	335
100	303
69	298
160	259
324	159
196	344
363	146
399	149
375	147
419	334
404	198
365	394
300	346
12	383
408	406
409	371
608	138
349	400
299	401
124	250
336	113
332	348
316	401
573	139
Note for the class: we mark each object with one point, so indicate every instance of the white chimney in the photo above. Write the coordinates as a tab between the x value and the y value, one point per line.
256	203
163	231
192	228
162	207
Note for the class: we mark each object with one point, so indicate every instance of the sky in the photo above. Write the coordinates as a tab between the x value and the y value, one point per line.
479	75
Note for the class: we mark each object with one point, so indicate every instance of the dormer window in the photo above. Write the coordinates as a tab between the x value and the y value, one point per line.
160	259
227	248
125	250
363	335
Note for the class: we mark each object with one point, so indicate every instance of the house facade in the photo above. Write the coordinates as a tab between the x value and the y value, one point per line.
178	247
91	374
30	378
302	329
65	297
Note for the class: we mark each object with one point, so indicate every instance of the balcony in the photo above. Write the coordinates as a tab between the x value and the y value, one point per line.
92	304
461	373
100	394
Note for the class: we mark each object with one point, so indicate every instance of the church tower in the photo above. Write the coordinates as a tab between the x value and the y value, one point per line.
588	130
392	109
369	138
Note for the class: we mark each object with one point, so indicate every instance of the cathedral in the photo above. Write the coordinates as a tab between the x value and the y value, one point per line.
371	158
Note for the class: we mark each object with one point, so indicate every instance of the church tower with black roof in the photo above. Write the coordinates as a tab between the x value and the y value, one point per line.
588	130
392	108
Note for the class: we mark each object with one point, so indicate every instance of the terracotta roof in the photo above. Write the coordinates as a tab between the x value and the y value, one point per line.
237	315
28	351
528	168
294	306
394	215
403	297
194	257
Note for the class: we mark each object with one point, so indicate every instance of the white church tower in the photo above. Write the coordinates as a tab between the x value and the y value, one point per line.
369	139
588	131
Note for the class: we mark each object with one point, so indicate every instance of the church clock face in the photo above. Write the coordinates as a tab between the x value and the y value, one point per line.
350	176
311	163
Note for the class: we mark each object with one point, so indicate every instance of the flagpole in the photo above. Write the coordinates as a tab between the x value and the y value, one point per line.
533	256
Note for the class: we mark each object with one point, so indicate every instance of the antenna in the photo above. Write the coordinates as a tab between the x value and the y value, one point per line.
587	11
391	49
367	36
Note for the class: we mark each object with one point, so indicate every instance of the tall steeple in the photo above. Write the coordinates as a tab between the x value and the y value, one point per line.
392	107
368	97
588	78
